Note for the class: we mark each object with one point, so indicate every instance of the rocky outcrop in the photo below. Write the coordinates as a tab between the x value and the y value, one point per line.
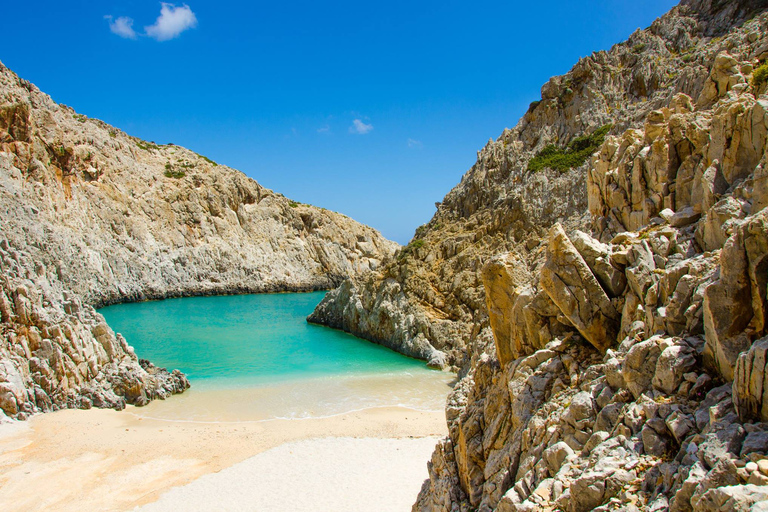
510	300
573	287
637	383
678	84
92	216
750	394
58	352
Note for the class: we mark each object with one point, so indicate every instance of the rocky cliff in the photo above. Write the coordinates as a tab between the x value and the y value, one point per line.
90	216
599	276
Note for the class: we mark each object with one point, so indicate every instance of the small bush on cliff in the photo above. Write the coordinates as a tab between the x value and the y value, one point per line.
175	174
573	155
147	146
760	75
416	243
170	172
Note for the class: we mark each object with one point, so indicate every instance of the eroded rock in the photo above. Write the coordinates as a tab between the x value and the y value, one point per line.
571	285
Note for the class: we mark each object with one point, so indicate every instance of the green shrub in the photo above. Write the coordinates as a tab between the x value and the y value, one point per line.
416	243
573	155
170	172
175	174
760	75
293	204
147	146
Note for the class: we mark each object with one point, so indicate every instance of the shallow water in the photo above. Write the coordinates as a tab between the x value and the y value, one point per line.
254	357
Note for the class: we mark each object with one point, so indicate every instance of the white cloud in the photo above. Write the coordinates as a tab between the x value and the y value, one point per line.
171	22
324	129
360	127
122	26
413	143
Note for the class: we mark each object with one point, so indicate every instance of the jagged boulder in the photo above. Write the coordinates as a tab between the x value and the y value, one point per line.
720	222
734	498
738	136
507	292
750	383
597	257
572	286
724	76
737	300
639	368
672	365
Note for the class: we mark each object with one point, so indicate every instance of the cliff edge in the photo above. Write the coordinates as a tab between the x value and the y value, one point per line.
92	216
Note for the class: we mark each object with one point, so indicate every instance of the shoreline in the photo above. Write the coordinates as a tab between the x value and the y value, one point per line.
308	398
119	460
304	418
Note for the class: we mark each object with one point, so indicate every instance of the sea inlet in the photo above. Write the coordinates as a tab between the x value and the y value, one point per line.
254	357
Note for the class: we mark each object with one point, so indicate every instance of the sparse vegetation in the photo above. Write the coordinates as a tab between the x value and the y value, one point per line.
112	133
416	243
170	172
293	204
147	146
638	48
80	117
207	159
533	105
175	174
760	75
570	157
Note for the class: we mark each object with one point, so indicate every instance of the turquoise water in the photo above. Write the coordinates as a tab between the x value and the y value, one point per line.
256	357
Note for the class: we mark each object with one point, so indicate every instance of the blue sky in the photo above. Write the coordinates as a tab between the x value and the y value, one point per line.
373	109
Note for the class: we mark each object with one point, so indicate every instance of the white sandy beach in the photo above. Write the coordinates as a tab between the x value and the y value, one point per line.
107	460
330	474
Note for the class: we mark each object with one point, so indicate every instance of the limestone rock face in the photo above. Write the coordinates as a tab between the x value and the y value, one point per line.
92	216
663	408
